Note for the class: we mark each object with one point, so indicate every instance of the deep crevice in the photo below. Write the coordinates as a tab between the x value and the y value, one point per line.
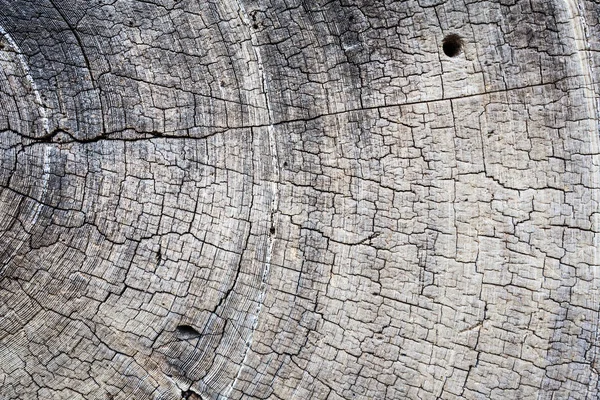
187	332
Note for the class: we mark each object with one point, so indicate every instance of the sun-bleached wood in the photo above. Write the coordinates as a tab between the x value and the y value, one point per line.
254	199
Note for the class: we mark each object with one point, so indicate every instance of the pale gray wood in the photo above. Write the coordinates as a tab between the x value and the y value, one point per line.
299	200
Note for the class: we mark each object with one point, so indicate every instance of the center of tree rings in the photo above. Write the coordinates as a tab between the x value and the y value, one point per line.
452	45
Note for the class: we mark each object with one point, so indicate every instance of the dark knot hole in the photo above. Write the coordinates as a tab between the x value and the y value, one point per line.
452	45
187	332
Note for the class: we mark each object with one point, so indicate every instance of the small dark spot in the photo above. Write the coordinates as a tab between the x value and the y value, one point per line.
452	45
223	84
351	19
255	26
130	23
189	395
187	332
285	164
272	230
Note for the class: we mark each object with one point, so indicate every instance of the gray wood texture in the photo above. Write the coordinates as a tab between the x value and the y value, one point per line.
254	199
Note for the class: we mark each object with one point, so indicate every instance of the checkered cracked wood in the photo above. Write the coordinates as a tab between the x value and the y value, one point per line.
261	199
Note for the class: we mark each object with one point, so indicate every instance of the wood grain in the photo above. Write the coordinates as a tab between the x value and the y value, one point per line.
255	199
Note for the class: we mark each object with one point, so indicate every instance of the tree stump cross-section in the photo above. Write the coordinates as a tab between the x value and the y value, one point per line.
255	199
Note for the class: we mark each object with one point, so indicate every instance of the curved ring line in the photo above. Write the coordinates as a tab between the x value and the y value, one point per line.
45	123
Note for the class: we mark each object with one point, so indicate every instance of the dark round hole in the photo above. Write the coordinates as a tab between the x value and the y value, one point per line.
452	45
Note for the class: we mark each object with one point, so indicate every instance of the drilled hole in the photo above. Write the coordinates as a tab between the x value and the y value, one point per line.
452	45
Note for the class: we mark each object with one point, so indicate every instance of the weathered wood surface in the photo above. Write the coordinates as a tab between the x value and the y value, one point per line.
299	200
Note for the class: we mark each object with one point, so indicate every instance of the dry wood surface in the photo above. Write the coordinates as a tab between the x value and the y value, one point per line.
299	199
